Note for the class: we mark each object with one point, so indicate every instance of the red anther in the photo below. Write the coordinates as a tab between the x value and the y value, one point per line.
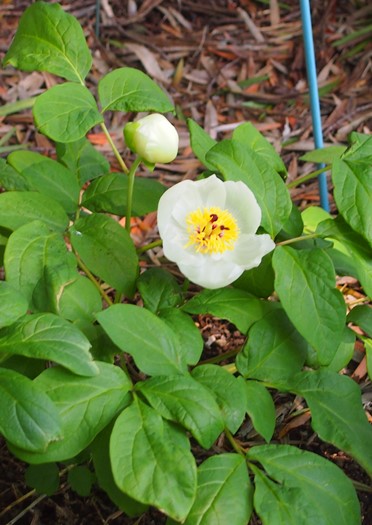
213	217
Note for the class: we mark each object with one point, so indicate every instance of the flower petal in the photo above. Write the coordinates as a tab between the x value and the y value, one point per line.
210	274
242	203
249	250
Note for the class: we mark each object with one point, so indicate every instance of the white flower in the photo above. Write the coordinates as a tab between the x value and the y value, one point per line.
153	138
208	228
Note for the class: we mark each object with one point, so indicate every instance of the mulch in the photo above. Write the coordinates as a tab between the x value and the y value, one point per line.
222	62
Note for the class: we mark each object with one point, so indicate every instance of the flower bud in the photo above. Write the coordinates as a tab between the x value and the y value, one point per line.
153	138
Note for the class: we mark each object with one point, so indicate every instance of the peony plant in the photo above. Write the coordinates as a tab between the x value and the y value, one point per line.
102	364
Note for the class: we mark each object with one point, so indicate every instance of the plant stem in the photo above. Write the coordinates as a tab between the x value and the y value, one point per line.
307	177
114	148
298	239
131	176
146	247
233	443
93	279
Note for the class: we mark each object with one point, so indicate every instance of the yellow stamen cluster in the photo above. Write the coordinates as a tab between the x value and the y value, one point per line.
212	230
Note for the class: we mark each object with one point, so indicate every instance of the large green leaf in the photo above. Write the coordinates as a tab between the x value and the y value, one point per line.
228	391
201	142
152	344
107	250
66	112
274	350
360	147
128	89
31	252
13	304
362	316
78	300
189	338
337	413
305	283
109	194
85	406
21	207
82	159
224	494
355	245
47	177
187	402
10	179
353	194
28	418
159	289
301	488
237	163
102	468
260	408
258	281
237	306
49	39
47	336
151	461
248	135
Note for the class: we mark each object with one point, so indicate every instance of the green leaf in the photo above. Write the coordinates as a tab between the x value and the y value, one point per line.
344	352
224	494
107	250
324	155
258	281
85	406
261	409
78	300
360	147
34	206
80	479
49	39
300	488
47	336
66	112
187	402
152	344
307	278
109	194
128	89
201	143
274	349
353	194
227	390
43	478
237	306
159	289
31	251
151	461
337	413
10	179
355	245
236	162
250	137
13	304
82	159
28	418
102	467
47	177
362	316
190	341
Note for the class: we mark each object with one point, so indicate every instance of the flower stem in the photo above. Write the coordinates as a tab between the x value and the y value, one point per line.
298	239
131	175
114	148
146	247
307	177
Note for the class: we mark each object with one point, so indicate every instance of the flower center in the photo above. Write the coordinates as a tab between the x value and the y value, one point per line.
211	230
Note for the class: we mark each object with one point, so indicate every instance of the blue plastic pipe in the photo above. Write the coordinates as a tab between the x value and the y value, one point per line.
314	94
